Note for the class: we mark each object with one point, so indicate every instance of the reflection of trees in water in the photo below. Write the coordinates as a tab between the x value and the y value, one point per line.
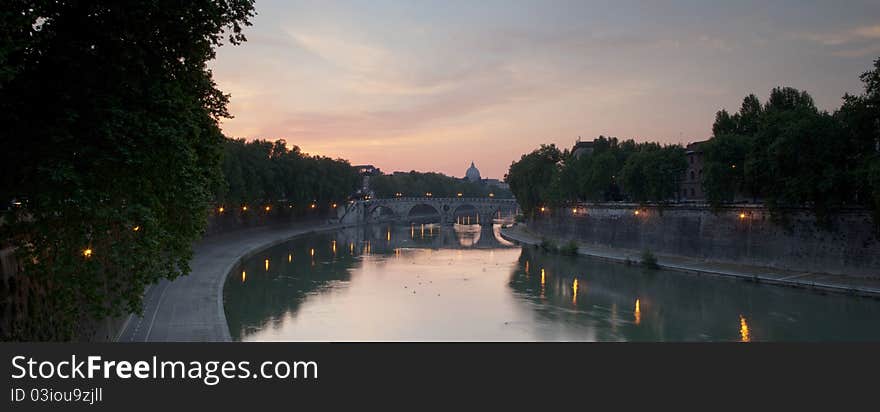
676	306
294	272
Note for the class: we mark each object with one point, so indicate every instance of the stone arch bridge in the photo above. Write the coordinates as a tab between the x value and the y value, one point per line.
405	208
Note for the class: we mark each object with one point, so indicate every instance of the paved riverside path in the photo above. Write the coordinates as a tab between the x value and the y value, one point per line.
820	281
190	308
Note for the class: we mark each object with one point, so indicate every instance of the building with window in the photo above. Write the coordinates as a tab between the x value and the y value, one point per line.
692	182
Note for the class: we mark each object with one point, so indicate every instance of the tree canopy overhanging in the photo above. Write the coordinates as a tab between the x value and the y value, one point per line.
109	124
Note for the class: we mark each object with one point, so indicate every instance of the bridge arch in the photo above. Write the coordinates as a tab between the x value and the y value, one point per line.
381	212
465	210
424	211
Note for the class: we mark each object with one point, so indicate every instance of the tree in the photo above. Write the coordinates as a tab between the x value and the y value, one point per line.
109	123
860	118
534	178
654	173
723	167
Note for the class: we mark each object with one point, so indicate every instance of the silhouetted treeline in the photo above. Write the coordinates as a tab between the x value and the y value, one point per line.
784	152
261	171
439	185
614	171
787	152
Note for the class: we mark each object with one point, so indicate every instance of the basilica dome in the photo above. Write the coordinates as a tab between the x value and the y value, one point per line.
473	174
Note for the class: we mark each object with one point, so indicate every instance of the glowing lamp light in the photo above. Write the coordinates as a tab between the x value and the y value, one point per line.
742	215
220	209
574	210
636	213
491	194
459	194
333	205
543	209
313	206
268	208
87	253
244	208
136	228
429	194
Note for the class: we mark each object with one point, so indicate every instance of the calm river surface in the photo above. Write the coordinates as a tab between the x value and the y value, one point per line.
433	283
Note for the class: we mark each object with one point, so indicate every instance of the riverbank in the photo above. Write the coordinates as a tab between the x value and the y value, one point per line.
190	308
817	281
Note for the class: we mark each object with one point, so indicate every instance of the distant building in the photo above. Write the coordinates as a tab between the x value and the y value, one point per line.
473	174
692	183
582	148
496	183
366	171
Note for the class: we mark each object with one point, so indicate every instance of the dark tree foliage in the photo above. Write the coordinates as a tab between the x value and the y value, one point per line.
261	171
597	176
860	118
108	118
654	173
613	171
534	178
439	185
723	168
789	153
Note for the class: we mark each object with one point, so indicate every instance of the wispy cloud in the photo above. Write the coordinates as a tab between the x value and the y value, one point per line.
412	83
853	42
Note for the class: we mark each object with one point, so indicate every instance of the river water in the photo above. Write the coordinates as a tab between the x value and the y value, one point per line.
466	283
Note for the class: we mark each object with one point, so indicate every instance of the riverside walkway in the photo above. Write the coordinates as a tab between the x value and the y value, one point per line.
190	308
818	281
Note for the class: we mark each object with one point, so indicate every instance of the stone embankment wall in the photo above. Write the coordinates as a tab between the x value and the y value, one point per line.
234	220
740	234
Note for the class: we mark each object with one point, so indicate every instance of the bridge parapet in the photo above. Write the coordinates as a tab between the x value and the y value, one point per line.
446	207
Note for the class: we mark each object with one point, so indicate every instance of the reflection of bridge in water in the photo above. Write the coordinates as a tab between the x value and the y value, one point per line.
429	209
388	237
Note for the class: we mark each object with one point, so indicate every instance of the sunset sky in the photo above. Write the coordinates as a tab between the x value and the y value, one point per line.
432	86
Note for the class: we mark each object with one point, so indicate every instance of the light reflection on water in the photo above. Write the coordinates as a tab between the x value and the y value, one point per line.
402	283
